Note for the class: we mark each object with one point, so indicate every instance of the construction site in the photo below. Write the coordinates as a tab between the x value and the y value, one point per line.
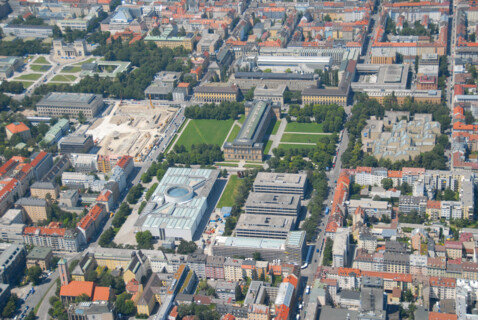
131	128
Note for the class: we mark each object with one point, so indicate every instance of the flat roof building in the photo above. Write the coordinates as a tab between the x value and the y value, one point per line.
178	204
216	92
40	256
390	76
248	143
276	95
272	204
27	31
290	250
288	183
58	104
264	226
76	144
293	81
12	259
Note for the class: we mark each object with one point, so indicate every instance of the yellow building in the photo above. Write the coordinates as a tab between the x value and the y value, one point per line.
168	40
41	189
36	209
324	96
383	60
40	256
216	92
112	258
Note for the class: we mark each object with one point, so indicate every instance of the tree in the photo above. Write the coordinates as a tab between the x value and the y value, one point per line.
327	259
408	295
186	247
155	32
238	293
30	316
124	304
11	306
257	256
34	274
249	94
82	298
81	117
144	240
387	183
107	237
327	18
469	119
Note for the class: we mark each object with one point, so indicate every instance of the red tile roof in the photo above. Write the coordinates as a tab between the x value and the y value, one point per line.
124	161
77	288
282	312
441	316
431	204
104	195
38	158
102	294
17	127
44	231
443	282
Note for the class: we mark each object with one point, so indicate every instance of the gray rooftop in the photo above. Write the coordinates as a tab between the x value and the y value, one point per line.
263	222
43	185
272	200
281	179
31	202
275	76
61	99
39	253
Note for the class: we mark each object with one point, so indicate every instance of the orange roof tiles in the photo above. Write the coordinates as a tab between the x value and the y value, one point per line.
38	158
183	85
104	195
123	161
441	316
17	127
363	169
292	279
442	282
228	317
8	187
102	294
95	211
431	204
282	312
45	231
346	272
77	288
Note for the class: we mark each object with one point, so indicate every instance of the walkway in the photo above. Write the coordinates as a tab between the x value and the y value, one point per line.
275	138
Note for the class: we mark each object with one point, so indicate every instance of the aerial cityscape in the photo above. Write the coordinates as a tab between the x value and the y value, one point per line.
249	160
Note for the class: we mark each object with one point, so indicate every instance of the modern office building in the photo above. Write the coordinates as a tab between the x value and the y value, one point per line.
290	250
371	76
58	104
11	226
272	204
294	63
264	226
179	203
12	259
248	143
283	183
76	144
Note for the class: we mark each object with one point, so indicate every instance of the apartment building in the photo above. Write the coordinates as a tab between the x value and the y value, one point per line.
36	209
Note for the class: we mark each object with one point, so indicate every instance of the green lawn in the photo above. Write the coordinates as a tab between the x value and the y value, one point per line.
276	127
234	133
250	165
227	198
296	146
26	84
41	60
40	67
268	147
226	164
301	138
170	144
304	127
205	131
242	119
70	69
90	60
271	127
29	76
64	78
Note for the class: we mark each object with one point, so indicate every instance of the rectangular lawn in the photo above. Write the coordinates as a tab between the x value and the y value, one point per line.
29	76
41	60
301	138
64	78
304	127
205	131
234	133
70	69
40	67
296	146
229	194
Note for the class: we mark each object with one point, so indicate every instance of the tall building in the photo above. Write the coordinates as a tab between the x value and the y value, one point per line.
63	270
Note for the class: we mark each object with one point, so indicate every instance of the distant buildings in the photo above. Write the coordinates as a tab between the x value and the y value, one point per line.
169	39
66	50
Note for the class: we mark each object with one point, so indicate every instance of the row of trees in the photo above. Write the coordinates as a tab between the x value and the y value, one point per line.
223	111
239	200
203	154
292	160
318	180
327	258
135	193
331	116
19	48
